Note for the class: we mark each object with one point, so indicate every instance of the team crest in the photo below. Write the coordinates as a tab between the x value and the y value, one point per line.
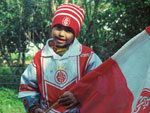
61	76
144	102
66	21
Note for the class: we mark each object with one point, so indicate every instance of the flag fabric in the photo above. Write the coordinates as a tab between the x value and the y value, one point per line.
122	83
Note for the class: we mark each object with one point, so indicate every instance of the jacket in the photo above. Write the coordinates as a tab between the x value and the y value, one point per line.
50	75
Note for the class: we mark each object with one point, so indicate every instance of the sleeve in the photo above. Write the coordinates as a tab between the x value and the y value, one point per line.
30	103
28	84
28	90
93	62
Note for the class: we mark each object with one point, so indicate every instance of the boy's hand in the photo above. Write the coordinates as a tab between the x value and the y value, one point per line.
38	110
68	99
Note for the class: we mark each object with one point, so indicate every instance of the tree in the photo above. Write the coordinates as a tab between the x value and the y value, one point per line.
123	20
107	25
19	23
8	35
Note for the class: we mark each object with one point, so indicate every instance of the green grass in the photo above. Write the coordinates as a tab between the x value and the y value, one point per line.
9	102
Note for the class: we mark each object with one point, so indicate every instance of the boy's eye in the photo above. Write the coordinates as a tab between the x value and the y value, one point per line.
59	27
68	30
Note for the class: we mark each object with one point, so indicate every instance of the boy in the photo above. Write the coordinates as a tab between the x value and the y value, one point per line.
58	66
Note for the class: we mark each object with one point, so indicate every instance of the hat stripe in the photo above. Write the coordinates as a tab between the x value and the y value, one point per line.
67	15
73	8
70	11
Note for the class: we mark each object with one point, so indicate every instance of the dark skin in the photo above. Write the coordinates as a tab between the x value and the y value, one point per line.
68	100
38	110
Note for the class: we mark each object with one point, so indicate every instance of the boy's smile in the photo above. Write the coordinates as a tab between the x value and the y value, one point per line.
62	35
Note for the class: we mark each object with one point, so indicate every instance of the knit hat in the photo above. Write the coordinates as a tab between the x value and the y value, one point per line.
69	15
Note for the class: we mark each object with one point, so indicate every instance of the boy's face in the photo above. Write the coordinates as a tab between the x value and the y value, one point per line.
62	36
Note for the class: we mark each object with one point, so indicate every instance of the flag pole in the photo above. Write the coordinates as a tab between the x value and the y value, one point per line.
51	106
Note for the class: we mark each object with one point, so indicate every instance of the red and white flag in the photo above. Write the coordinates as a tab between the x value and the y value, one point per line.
122	83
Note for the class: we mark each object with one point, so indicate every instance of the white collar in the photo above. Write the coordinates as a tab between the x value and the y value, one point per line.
74	50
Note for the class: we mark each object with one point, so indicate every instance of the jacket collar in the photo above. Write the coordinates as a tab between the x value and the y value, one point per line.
73	50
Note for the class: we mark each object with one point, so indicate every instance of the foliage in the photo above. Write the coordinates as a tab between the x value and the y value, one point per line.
107	25
7	79
93	33
9	102
124	19
21	22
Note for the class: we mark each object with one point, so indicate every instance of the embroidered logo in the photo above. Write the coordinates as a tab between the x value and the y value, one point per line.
66	21
144	102
61	76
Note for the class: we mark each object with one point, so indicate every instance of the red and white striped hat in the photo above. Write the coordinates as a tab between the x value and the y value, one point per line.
69	15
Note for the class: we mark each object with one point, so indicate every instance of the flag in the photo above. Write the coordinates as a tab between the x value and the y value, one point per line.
122	83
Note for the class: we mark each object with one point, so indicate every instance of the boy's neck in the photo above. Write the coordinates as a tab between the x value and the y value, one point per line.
60	50
66	46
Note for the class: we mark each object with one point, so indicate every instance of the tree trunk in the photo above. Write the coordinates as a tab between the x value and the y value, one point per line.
52	7
66	1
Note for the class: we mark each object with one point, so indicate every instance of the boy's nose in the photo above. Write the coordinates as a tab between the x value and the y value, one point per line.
62	33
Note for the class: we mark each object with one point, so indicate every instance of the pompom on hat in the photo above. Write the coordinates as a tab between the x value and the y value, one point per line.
69	15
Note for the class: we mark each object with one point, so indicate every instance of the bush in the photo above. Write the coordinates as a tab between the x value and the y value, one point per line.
7	78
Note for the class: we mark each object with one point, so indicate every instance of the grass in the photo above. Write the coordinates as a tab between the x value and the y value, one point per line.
9	102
